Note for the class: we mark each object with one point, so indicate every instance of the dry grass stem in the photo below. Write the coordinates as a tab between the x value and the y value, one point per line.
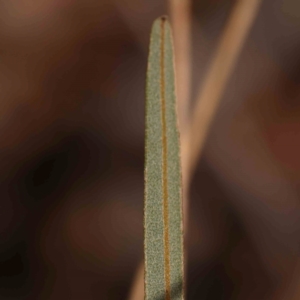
216	80
137	289
180	12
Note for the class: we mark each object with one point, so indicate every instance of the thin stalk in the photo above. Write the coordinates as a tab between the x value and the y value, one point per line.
180	12
216	80
137	289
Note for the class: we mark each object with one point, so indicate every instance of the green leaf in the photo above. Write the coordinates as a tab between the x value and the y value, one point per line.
163	240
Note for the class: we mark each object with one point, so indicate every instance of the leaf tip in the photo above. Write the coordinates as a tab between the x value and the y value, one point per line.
164	18
161	20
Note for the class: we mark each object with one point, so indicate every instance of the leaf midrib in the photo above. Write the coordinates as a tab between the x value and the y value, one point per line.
164	162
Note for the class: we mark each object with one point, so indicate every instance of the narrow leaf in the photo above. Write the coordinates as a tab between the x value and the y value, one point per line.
163	240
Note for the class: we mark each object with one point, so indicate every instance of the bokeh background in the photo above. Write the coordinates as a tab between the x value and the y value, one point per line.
72	87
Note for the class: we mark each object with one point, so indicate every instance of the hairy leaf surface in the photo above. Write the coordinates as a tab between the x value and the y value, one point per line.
163	240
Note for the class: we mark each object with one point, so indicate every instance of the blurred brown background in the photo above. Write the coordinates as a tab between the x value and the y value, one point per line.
71	158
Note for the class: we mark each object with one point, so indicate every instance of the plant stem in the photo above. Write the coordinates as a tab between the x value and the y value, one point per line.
137	289
180	11
216	80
